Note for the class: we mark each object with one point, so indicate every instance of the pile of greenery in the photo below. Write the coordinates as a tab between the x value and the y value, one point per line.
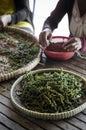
27	49
52	92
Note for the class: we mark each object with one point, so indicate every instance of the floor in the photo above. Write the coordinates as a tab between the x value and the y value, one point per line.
42	10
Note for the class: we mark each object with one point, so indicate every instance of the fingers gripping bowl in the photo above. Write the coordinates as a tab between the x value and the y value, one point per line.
55	50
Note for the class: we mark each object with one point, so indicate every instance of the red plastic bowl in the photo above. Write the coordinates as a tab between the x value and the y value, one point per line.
58	55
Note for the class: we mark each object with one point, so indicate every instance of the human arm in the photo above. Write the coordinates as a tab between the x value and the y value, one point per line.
5	20
22	12
45	37
52	21
75	44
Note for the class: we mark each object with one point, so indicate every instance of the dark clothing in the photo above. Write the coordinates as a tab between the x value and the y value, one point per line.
63	7
23	12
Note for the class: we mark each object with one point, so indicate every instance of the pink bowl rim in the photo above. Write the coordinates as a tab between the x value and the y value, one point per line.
60	52
61	37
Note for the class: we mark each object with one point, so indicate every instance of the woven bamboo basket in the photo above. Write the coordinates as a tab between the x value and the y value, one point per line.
45	116
29	65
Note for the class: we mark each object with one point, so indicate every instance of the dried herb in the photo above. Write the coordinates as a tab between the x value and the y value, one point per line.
20	50
52	91
23	56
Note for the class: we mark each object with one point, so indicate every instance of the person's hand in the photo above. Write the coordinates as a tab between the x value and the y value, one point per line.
73	44
5	20
45	37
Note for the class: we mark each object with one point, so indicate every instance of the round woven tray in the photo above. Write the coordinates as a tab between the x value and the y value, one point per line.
29	65
45	116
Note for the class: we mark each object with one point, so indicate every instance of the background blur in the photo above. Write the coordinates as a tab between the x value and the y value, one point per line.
43	9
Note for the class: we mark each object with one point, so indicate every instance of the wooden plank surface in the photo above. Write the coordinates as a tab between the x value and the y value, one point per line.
11	119
3	127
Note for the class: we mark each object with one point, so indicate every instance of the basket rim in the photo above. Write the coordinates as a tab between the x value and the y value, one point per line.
28	66
45	116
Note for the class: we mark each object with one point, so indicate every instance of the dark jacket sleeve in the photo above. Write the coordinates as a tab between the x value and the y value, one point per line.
62	7
56	15
23	12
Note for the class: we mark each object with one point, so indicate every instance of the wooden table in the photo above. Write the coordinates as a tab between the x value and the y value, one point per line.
11	119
